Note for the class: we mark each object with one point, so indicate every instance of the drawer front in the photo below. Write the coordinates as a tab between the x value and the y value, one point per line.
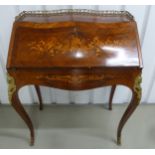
74	79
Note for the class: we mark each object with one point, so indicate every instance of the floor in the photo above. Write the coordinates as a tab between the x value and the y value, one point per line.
78	126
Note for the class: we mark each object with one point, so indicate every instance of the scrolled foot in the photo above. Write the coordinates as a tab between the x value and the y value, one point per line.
40	108
32	141
118	140
110	108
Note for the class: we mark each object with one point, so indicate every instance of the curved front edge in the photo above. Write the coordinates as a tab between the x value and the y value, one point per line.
13	89
136	97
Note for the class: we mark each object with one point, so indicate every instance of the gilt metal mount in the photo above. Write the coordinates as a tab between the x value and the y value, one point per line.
11	86
75	12
137	87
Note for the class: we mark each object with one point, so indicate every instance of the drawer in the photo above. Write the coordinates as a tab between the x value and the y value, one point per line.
71	79
74	79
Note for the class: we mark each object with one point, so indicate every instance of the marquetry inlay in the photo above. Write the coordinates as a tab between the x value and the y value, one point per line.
54	46
72	78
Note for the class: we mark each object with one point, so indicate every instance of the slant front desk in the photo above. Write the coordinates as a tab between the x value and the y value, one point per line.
74	50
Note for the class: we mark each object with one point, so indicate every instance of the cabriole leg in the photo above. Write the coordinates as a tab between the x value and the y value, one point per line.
15	102
136	96
37	88
111	96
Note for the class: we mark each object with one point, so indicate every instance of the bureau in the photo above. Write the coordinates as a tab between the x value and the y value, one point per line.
74	50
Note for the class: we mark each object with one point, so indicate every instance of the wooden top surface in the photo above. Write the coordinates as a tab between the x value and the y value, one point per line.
73	39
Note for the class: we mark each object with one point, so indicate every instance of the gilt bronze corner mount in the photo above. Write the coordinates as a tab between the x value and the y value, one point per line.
137	87
11	86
